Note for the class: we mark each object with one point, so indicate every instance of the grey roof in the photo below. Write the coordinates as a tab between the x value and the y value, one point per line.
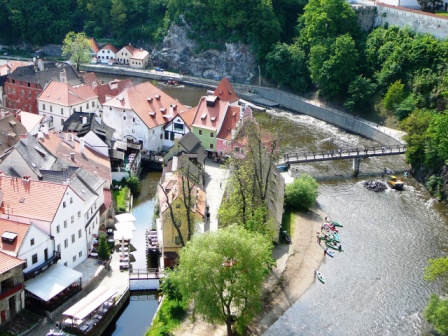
191	143
58	176
83	190
92	180
50	72
75	124
34	154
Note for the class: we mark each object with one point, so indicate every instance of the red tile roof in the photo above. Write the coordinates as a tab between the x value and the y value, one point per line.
66	95
31	199
110	47
89	78
210	117
149	102
93	45
139	54
11	226
113	88
188	116
225	91
11	66
229	123
91	160
7	262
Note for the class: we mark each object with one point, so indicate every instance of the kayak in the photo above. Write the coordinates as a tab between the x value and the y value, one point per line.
320	276
334	247
330	253
336	224
336	237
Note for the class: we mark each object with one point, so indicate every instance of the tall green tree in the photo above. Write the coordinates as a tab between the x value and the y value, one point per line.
302	193
430	5
333	66
416	138
394	96
436	153
103	249
77	47
223	273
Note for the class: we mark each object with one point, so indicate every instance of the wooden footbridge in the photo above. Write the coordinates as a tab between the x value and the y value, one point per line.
356	154
145	279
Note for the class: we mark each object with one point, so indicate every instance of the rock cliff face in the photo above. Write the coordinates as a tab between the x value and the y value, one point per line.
177	53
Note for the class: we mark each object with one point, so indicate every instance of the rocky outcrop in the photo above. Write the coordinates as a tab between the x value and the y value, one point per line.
178	53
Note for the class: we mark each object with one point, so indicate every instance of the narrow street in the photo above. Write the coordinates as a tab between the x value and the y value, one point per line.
216	176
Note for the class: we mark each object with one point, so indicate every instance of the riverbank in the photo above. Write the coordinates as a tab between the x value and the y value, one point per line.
287	282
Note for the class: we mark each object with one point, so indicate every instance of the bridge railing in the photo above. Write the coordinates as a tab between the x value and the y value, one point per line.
346	152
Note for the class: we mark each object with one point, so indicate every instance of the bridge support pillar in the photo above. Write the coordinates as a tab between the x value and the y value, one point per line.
356	163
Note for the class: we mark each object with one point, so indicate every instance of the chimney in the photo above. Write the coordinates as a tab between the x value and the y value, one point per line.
63	76
81	145
84	120
40	65
72	156
66	136
175	162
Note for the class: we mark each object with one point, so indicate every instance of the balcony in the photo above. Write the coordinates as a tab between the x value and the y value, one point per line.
10	291
42	268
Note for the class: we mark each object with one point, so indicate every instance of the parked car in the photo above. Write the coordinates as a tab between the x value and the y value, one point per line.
158	69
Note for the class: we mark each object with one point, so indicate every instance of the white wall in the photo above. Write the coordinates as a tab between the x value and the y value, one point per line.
42	241
167	144
65	214
105	55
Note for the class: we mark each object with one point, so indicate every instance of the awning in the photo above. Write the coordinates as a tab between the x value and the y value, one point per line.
125	225
57	278
91	302
125	217
122	233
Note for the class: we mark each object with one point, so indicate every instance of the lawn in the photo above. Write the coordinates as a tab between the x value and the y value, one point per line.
442	13
121	197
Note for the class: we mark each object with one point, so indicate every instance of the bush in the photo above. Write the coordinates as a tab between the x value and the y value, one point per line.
134	185
302	193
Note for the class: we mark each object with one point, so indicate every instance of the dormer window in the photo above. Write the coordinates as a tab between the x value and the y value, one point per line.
9	237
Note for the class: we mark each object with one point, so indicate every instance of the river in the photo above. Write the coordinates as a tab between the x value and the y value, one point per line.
376	286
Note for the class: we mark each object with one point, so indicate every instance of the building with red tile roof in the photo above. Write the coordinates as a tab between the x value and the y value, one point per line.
109	90
140	113
94	48
225	91
11	296
107	53
54	208
60	100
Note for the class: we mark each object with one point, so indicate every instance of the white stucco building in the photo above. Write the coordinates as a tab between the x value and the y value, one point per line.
140	113
59	100
53	208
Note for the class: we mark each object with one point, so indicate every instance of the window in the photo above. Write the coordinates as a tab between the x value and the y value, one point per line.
79	233
133	119
200	132
29	93
71	200
242	150
43	107
211	146
34	258
73	238
87	106
65	264
32	241
167	135
62	111
161	136
58	229
73	219
91	211
74	258
65	224
63	204
22	93
211	135
51	108
124	117
66	243
58	248
79	214
62	122
236	149
80	254
178	127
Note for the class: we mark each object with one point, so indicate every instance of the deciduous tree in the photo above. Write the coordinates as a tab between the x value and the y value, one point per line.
302	193
223	272
77	47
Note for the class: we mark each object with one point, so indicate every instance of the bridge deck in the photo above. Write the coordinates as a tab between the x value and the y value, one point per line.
340	154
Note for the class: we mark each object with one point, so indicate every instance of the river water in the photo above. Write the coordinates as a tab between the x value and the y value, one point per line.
376	286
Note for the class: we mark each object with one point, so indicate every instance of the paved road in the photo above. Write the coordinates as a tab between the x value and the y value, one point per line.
216	177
